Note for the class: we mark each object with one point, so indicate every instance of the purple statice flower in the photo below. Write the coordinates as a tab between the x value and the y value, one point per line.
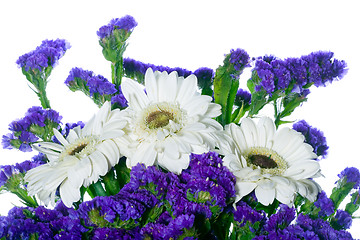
27	165
65	211
126	23
7	171
18	225
66	227
239	58
6	141
242	97
99	84
281	73
281	219
343	219
137	69
116	233
119	100
320	229
297	68
141	175
172	230
46	215
322	69
78	73
94	86
313	136
45	55
69	126
30	128
39	158
123	206
26	138
264	71
351	175
318	68
325	205
205	77
244	213
209	166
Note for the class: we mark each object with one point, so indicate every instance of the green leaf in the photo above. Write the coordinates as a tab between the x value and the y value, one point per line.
354	203
258	101
222	87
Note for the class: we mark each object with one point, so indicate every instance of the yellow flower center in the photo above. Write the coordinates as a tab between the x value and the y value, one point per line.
80	147
159	119
165	117
267	160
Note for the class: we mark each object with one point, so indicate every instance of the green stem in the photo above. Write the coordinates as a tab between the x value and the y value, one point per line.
41	87
117	72
28	201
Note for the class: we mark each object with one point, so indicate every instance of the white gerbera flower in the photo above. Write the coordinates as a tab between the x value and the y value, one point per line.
275	163
79	160
169	121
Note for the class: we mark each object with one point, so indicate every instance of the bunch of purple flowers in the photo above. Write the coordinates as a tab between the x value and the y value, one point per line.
201	200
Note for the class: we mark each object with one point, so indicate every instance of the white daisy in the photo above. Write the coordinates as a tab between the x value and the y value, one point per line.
277	164
79	160
169	121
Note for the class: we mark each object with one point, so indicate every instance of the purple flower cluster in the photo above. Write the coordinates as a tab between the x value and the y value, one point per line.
7	171
239	58
284	225
137	69
201	191
319	229
45	55
317	68
325	205
95	86
351	175
242	97
28	223
94	83
37	123
205	77
313	136
126	23
243	213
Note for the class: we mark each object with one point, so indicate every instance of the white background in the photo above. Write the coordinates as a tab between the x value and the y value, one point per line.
187	34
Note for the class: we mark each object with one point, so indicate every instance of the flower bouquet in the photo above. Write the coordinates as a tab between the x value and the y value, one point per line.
175	154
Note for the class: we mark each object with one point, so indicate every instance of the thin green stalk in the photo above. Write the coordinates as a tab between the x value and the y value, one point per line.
117	72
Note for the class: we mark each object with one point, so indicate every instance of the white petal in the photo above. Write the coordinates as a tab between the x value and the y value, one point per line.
60	137
69	194
303	169
266	130
174	165
111	151
197	106
151	85
213	110
243	189
187	90
134	93
100	165
249	130
145	154
168	87
265	193
48	148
